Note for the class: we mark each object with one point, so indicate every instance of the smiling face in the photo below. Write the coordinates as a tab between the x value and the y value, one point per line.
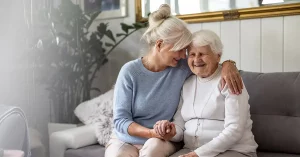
169	57
202	61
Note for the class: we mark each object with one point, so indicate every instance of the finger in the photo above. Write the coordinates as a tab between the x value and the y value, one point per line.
156	129
229	84
168	128
223	83
238	83
163	127
159	129
234	84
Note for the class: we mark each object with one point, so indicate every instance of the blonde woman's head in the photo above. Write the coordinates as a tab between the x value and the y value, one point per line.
167	34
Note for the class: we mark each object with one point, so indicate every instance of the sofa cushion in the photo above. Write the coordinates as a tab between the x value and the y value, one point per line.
89	151
275	110
268	154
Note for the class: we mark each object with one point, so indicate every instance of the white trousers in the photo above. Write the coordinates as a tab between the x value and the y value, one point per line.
153	147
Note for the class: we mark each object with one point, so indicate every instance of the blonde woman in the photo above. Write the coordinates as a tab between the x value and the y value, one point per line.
148	89
210	119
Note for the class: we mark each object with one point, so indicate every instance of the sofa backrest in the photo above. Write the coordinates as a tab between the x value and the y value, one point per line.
275	110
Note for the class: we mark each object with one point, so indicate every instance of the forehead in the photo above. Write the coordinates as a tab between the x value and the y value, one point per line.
195	48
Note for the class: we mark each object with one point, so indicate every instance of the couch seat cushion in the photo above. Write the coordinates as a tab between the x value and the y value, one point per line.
89	151
270	154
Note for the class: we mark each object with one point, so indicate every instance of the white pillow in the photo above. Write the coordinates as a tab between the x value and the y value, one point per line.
98	111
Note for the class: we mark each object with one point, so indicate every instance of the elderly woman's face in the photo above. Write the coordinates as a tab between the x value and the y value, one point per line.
203	61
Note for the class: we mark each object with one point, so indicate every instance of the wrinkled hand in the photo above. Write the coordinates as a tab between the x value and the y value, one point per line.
231	77
165	129
191	154
153	134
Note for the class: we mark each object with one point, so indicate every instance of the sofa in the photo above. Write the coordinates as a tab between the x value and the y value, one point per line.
275	111
14	135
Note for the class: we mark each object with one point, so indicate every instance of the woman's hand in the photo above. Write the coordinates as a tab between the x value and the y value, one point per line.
231	77
168	136
153	134
191	154
165	129
162	127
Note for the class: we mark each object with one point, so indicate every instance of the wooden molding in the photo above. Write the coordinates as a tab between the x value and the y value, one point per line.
249	13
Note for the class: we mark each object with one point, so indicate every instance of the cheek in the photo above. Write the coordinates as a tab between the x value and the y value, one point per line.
190	62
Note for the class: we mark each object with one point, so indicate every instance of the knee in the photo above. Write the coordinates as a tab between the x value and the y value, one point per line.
154	141
153	147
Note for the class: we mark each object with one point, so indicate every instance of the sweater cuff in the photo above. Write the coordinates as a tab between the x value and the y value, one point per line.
126	125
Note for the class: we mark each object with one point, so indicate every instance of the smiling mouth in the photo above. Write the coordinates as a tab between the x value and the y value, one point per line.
176	60
199	65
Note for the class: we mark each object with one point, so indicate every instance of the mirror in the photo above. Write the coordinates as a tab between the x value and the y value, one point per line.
219	10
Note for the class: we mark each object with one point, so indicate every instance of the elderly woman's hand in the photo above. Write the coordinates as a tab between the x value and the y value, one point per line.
162	127
191	154
231	77
165	129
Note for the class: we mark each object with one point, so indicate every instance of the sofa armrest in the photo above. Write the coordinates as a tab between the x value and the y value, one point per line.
72	138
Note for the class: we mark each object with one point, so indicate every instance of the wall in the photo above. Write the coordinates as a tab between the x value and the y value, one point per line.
258	45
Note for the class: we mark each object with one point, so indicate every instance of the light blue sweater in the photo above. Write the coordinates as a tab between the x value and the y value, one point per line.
146	97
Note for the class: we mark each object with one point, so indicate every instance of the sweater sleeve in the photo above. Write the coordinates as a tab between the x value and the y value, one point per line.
236	111
123	100
179	123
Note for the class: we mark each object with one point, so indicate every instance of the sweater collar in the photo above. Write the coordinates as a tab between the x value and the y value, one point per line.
211	77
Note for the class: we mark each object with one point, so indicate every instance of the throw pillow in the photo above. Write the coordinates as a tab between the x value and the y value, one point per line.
98	111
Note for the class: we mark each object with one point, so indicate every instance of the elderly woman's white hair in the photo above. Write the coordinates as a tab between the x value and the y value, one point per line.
207	37
162	25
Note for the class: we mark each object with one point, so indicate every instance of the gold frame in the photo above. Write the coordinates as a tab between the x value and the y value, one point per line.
249	13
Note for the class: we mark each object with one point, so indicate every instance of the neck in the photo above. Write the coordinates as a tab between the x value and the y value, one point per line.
153	63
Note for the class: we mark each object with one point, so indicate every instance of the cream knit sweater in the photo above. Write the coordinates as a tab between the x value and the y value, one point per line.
211	120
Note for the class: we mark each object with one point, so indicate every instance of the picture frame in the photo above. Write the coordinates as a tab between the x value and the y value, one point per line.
110	8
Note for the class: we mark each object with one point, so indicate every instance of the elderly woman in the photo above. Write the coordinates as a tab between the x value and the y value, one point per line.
211	120
148	89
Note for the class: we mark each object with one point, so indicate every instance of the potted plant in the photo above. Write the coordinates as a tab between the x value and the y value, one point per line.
68	55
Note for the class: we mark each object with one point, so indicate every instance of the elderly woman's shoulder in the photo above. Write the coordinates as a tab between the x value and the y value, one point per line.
190	79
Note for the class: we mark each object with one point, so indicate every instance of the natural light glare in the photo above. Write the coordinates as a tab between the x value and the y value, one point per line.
272	1
154	4
193	6
217	5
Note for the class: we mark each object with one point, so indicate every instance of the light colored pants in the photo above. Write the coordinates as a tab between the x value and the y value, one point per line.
153	147
225	154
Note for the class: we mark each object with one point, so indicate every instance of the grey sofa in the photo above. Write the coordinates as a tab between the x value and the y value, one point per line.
275	111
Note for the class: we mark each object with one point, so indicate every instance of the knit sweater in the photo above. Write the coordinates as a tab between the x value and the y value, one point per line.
145	97
212	120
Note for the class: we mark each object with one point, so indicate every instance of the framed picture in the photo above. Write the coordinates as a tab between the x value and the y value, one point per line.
110	8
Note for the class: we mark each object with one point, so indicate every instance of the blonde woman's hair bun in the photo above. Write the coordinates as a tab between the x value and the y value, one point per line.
162	13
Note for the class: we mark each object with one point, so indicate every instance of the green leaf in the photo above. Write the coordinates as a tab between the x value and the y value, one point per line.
109	44
121	34
110	35
139	25
102	28
126	27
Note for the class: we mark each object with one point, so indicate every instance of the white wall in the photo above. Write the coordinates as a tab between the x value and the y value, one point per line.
260	45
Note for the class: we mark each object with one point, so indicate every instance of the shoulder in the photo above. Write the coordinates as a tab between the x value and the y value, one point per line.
129	68
189	83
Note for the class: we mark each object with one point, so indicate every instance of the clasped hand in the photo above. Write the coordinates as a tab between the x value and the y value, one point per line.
164	129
